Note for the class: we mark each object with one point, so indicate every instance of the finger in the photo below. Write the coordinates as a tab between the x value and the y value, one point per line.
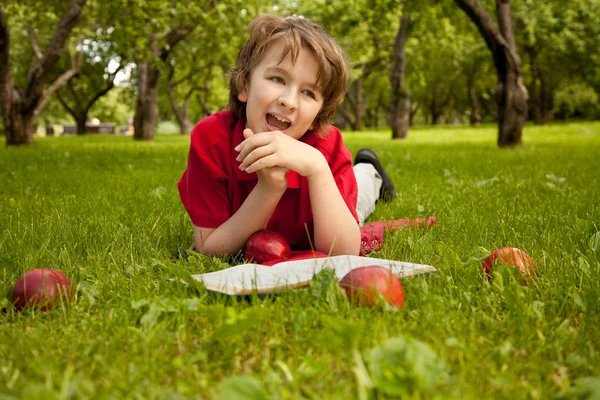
251	144
264	162
248	133
255	155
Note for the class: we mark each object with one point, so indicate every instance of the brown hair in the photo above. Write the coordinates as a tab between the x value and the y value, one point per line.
293	33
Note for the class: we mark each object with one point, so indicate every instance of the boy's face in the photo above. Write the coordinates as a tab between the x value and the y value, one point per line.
283	96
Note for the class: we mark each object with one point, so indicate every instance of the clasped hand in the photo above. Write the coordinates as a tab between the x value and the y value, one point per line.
275	149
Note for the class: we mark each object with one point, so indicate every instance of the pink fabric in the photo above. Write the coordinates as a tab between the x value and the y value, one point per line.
372	234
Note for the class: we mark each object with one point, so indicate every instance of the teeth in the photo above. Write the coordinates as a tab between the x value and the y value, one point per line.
281	119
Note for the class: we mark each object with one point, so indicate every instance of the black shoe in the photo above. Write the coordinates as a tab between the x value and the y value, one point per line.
387	191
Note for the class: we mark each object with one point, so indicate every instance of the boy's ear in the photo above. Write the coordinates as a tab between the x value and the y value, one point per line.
243	96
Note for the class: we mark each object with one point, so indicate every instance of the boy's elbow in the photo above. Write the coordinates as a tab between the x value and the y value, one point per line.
349	245
208	244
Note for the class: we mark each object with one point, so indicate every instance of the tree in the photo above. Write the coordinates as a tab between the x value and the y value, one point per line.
561	47
511	94
401	97
21	104
197	69
83	90
357	27
154	29
102	59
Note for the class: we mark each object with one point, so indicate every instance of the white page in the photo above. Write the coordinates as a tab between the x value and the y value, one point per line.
247	278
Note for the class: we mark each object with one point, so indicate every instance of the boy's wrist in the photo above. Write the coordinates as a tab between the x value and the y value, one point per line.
319	168
272	189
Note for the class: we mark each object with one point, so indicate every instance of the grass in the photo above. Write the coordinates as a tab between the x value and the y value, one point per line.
105	211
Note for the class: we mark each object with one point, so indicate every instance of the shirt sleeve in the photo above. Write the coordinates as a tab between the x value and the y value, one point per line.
203	188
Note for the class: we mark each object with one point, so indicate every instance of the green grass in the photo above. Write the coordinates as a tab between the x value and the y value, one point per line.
105	211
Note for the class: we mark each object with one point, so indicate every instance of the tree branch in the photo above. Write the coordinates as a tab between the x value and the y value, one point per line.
34	44
189	75
370	92
174	105
38	73
489	30
61	80
342	108
5	75
75	95
63	102
110	84
174	36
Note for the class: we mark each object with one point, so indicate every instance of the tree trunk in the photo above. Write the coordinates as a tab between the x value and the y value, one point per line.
20	107
511	94
18	126
438	104
82	104
146	110
414	108
475	117
400	105
356	123
81	128
355	102
534	99
545	98
182	114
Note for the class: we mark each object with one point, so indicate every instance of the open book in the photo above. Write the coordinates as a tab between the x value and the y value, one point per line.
256	278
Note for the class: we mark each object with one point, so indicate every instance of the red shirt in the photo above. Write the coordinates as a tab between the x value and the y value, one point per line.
213	188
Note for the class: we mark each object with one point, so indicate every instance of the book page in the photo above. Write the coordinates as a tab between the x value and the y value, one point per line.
249	278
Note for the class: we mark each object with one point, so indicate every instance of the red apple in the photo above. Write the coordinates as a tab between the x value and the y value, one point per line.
295	256
40	287
264	246
363	283
306	254
514	258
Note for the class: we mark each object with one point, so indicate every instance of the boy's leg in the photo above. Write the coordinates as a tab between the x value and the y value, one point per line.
373	183
369	185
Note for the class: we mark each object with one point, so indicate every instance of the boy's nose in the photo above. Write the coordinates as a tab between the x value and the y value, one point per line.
288	100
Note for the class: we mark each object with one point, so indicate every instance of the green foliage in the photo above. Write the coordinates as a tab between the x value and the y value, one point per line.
242	388
114	107
402	367
576	99
105	210
42	17
446	54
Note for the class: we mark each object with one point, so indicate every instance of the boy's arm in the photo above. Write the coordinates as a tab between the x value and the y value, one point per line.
253	215
335	228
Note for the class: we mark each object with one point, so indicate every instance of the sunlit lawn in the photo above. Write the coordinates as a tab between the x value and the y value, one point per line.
105	211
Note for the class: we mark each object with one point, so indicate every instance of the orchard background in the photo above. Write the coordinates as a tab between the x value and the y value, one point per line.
426	92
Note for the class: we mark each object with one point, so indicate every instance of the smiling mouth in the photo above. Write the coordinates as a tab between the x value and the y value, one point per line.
278	122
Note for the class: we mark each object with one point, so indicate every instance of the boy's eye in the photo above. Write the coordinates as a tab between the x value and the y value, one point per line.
309	94
277	79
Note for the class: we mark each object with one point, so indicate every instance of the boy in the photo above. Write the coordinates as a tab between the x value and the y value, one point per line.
272	161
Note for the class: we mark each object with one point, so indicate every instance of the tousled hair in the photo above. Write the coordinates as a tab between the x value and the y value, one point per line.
292	33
